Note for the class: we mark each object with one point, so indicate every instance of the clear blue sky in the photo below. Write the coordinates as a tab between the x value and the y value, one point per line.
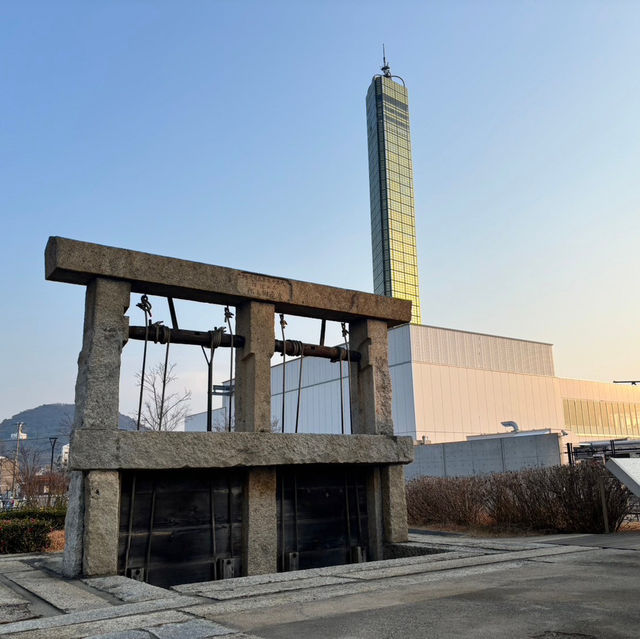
234	133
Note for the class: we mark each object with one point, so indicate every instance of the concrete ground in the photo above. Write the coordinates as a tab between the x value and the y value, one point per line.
560	587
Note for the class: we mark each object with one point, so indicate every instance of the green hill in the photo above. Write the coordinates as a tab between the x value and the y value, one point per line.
48	420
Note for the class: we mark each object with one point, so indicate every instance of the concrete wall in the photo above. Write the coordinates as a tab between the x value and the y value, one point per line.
483	456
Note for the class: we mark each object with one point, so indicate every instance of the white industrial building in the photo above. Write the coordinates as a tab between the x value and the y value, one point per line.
449	385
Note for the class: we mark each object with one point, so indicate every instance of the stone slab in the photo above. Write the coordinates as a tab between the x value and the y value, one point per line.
113	450
124	634
67	630
211	590
127	590
466	562
215	610
52	562
194	629
13	607
13	566
102	614
63	595
78	262
301	575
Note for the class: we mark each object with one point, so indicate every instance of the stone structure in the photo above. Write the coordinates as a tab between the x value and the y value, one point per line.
100	453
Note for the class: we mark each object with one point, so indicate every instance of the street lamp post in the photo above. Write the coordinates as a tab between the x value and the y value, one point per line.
52	441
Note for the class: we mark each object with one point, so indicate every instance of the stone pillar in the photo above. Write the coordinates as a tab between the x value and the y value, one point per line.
371	398
101	522
254	321
370	379
260	531
394	504
92	519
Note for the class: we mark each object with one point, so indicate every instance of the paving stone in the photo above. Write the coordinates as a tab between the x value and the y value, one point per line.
107	613
194	629
215	610
269	588
64	595
13	607
398	571
242	582
125	634
126	589
52	562
13	566
98	628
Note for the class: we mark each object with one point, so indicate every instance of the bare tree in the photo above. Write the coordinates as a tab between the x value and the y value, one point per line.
30	473
158	414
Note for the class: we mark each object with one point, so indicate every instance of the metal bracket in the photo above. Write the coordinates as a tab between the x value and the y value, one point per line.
136	573
292	561
358	555
226	568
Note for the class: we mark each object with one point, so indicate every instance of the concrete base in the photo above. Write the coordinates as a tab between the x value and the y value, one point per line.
479	589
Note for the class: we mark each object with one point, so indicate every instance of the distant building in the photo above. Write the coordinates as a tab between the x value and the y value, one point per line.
393	226
449	385
62	461
6	475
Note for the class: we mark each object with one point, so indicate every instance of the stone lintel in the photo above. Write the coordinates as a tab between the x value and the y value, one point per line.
78	262
121	450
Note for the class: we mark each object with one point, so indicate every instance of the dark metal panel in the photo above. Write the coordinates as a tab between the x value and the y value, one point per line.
322	515
175	526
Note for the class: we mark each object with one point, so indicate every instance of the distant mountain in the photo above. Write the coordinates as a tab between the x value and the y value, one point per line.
48	420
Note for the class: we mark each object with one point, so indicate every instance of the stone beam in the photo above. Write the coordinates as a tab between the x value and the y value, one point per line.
78	262
119	450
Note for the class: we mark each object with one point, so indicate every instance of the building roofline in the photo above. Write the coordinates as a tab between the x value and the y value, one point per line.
457	330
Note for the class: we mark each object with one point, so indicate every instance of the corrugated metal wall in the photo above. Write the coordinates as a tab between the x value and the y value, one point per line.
448	347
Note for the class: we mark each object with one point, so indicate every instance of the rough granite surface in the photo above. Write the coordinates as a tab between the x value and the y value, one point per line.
79	262
140	450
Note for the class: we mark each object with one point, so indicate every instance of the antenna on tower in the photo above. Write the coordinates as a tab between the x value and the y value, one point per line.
385	68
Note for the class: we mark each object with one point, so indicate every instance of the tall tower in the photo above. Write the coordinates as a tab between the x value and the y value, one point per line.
393	225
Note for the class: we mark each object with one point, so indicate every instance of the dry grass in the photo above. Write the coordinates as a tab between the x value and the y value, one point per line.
57	541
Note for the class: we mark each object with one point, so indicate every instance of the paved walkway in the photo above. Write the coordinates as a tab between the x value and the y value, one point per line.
560	587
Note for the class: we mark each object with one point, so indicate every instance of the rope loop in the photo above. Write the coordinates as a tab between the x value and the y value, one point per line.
296	347
144	304
215	337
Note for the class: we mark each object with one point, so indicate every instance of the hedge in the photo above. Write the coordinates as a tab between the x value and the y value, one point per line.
53	516
23	535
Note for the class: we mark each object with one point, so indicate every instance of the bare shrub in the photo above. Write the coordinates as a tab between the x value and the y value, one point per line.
558	499
452	500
